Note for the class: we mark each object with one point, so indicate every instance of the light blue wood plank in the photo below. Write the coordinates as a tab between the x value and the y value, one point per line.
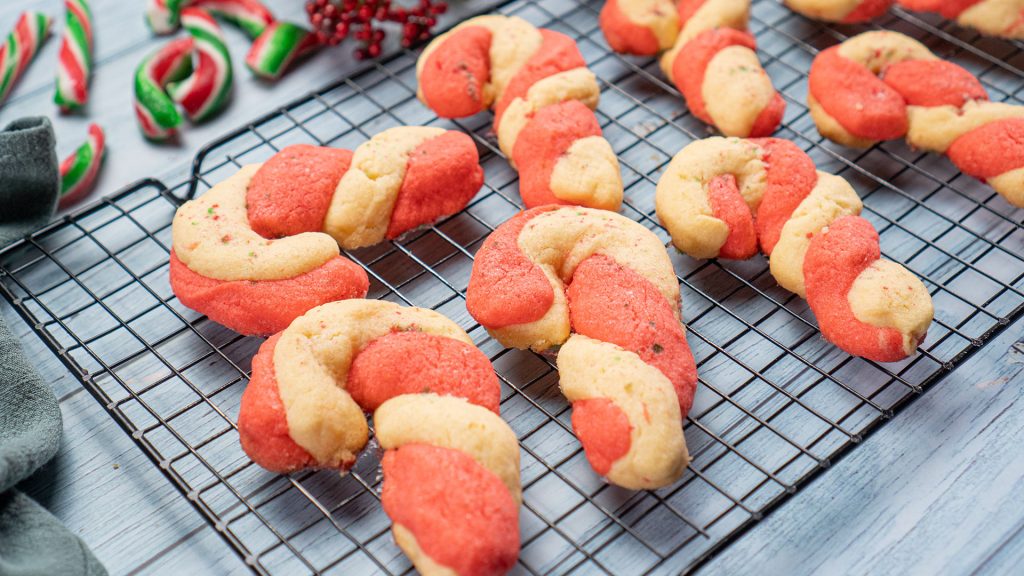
935	491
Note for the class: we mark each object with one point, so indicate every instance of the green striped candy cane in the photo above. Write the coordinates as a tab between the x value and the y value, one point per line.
207	90
158	117
74	64
279	45
21	47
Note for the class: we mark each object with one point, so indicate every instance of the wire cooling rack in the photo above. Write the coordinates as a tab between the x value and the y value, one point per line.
776	404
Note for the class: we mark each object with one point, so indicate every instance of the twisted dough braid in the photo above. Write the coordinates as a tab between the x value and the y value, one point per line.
726	198
1001	18
626	368
884	85
843	11
543	98
261	248
451	464
709	56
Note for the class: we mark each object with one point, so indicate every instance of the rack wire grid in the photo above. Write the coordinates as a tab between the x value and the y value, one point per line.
776	403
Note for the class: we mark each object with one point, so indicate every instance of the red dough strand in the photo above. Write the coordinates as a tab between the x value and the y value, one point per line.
972	152
868	10
506	287
688	69
557	53
453	78
834	259
543	142
933	83
462	515
604	431
418	363
727	205
442	176
623	35
863	104
291	192
262	424
949	9
266	306
644	321
687	8
791	175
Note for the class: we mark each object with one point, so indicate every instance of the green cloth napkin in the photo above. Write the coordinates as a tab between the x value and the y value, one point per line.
32	541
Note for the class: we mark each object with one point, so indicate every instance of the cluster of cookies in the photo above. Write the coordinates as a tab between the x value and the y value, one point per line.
261	254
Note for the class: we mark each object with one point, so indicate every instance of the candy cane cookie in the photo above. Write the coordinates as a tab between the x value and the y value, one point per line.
543	98
883	85
261	248
999	18
730	198
601	286
451	464
708	54
842	11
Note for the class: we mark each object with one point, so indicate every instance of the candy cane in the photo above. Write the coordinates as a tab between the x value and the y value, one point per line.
205	92
78	171
450	465
728	198
252	252
281	44
543	97
158	117
164	16
75	61
1000	18
601	286
883	85
708	54
21	46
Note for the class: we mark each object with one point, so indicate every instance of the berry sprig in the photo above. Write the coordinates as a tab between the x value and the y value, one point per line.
336	20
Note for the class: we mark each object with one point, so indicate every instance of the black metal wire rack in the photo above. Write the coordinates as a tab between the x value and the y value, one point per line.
776	404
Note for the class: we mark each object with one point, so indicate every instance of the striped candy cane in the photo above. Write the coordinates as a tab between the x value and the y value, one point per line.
249	15
164	16
21	46
75	61
280	45
157	114
208	88
78	171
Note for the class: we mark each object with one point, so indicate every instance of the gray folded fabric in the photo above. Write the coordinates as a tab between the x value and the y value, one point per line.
32	541
29	177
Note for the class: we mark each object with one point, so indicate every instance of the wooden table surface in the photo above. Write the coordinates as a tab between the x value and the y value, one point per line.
937	490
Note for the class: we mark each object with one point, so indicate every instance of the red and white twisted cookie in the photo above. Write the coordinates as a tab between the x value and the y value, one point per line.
625	366
884	85
451	464
709	57
844	11
261	248
542	94
730	198
1002	18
